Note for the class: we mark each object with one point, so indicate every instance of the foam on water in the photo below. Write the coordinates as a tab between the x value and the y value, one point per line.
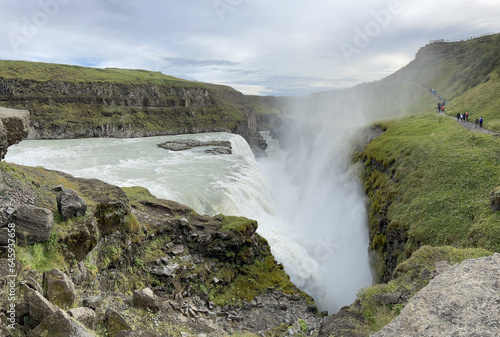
306	234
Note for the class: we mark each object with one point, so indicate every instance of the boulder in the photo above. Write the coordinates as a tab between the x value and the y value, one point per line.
33	224
145	299
115	323
6	271
388	298
33	284
460	301
70	204
111	216
60	324
84	315
58	288
136	333
221	146
38	306
14	127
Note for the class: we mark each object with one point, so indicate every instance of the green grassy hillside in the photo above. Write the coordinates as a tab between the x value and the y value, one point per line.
466	73
428	179
67	101
37	71
435	180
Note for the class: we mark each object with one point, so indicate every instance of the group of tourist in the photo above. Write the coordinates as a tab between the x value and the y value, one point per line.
460	117
465	118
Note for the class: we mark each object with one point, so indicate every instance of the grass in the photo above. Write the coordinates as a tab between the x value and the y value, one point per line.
36	71
253	280
237	224
117	102
41	257
480	101
435	185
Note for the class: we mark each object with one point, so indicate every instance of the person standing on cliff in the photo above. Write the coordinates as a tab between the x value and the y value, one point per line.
458	117
477	122
481	122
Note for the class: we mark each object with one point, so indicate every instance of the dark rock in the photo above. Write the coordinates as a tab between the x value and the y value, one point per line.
92	302
14	126
70	204
425	274
388	298
60	324
145	299
186	144
342	324
84	315
33	284
58	288
38	306
115	323
219	150
58	188
33	224
111	216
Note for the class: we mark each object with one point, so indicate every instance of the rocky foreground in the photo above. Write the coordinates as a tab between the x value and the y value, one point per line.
464	300
94	259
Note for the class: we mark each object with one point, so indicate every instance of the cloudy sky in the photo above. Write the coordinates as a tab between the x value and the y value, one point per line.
265	47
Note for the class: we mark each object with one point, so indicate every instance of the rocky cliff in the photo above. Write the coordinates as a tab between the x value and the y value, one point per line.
85	102
13	128
121	260
463	300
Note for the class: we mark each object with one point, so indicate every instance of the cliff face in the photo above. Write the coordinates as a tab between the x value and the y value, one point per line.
133	106
13	128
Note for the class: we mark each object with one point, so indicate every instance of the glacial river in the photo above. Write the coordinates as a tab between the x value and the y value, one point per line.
313	218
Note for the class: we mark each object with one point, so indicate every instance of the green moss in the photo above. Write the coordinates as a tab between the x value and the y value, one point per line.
253	280
137	194
237	224
439	184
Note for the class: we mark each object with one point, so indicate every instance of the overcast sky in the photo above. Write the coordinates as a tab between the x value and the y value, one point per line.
265	47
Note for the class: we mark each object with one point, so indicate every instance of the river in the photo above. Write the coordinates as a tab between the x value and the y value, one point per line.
314	219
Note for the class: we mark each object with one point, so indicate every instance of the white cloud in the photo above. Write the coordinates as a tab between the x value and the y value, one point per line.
277	47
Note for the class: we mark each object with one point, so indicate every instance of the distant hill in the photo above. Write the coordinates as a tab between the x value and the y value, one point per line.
466	73
433	186
71	101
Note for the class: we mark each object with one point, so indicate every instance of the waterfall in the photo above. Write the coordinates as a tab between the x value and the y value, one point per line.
307	201
321	205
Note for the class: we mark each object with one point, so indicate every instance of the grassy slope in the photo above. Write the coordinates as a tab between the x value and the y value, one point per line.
466	73
442	177
226	109
37	71
432	177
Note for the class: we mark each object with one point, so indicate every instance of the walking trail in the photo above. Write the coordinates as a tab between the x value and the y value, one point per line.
468	125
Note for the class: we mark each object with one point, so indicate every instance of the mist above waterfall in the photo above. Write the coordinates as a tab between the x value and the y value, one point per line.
321	202
307	198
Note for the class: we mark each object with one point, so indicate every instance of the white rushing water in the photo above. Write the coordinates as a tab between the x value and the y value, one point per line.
315	221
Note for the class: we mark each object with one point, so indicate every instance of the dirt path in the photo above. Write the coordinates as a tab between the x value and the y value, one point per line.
472	126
